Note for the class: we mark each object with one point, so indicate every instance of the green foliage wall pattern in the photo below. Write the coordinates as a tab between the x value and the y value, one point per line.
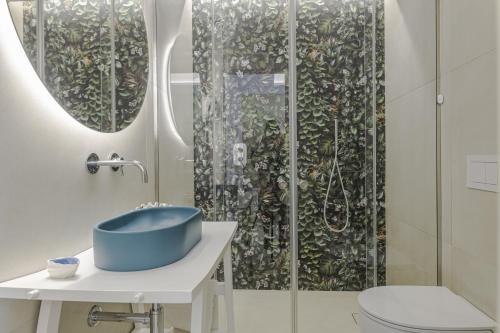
334	79
77	54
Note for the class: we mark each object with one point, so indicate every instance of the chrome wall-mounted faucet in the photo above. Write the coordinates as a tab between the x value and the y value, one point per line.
116	163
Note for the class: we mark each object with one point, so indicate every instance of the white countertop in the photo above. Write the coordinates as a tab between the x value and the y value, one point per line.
174	283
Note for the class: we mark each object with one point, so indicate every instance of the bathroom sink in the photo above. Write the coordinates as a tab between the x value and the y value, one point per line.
146	238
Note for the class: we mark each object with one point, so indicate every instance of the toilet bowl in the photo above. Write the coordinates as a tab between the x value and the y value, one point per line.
397	309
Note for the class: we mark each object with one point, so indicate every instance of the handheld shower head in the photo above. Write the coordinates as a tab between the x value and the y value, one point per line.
344	192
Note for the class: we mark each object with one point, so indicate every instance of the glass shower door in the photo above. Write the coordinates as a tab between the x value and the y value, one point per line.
338	133
367	137
241	157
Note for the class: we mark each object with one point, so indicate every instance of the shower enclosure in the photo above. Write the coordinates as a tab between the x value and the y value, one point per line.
249	91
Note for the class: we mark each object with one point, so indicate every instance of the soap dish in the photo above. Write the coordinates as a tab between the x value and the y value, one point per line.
62	268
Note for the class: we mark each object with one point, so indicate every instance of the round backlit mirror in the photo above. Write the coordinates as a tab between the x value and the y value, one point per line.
92	56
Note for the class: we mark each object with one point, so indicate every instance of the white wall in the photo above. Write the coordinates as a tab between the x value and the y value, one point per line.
469	84
411	142
469	126
48	201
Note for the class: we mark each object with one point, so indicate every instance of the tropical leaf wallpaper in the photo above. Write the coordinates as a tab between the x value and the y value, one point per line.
78	58
132	60
242	99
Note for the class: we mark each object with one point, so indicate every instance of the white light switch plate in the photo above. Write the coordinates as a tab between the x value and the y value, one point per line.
482	172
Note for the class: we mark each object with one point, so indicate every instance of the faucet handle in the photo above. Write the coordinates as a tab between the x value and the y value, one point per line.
91	165
116	157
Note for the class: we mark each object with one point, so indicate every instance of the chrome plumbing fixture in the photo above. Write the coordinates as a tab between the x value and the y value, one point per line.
154	317
93	164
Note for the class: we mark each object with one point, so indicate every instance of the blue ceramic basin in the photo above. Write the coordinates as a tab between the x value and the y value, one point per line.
146	238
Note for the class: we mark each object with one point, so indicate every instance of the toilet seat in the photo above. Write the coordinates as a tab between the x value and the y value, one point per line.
421	309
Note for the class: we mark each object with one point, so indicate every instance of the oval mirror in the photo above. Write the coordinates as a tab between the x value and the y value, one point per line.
92	56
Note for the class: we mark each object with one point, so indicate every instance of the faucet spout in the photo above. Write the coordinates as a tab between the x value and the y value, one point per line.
139	165
116	163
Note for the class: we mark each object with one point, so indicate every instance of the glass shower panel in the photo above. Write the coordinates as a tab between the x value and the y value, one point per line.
340	132
411	137
376	143
334	77
355	107
250	133
242	147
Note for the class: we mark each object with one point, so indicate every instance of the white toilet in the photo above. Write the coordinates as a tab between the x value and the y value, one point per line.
397	309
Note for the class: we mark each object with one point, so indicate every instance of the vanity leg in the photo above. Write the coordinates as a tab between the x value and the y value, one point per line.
48	318
214	310
198	311
228	289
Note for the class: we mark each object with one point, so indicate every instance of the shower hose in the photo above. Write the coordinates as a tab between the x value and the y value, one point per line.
332	173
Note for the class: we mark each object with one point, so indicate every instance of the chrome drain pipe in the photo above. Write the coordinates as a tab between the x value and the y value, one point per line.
154	317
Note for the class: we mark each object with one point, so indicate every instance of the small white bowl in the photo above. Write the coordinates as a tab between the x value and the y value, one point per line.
62	268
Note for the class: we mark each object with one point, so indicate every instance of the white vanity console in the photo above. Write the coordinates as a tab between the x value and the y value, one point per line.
187	281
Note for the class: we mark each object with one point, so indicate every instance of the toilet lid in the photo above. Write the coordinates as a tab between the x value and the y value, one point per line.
432	308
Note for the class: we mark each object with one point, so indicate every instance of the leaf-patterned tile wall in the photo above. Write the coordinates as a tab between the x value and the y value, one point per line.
242	57
77	58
